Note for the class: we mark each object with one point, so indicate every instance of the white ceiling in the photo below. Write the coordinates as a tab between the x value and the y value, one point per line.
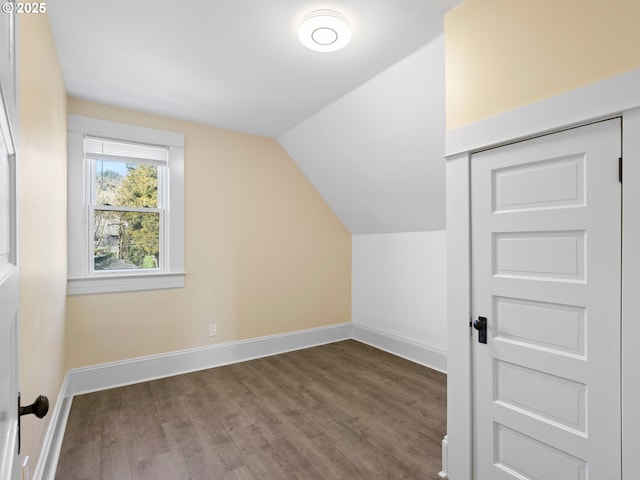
235	64
375	154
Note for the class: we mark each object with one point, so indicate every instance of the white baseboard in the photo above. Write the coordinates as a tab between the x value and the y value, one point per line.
115	374
142	369
445	458
416	352
46	466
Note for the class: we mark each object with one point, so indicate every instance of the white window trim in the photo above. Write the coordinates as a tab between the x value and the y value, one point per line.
80	281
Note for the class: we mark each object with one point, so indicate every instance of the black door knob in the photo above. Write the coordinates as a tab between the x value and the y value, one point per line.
39	408
481	325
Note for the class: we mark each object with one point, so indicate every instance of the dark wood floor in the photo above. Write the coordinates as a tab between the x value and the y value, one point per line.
340	411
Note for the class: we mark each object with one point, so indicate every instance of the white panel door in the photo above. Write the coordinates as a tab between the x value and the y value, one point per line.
546	248
9	288
8	313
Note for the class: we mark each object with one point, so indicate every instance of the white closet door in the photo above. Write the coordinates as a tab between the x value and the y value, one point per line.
9	275
546	266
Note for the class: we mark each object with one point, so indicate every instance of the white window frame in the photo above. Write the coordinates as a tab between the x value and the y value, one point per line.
82	279
159	209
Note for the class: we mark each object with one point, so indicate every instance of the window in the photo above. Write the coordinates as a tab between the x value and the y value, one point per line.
125	205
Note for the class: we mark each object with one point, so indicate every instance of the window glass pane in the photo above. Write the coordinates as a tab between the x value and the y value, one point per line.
126	240
123	184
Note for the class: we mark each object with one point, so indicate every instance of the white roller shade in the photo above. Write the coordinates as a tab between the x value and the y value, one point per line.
103	149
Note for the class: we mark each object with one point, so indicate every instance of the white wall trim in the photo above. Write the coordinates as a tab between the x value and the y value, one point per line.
124	131
46	466
142	369
609	97
420	353
445	458
458	316
630	298
124	283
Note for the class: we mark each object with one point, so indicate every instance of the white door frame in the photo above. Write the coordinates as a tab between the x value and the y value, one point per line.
617	96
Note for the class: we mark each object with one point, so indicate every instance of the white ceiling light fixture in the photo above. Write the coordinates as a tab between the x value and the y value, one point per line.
324	31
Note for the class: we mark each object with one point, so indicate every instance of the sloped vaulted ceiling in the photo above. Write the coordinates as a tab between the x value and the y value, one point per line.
375	155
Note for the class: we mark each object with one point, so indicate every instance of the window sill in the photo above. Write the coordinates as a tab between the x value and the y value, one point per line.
124	283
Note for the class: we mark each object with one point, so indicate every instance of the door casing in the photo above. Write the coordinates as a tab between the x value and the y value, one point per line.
616	97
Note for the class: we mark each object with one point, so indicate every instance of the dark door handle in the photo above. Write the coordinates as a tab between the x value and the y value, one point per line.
481	325
39	408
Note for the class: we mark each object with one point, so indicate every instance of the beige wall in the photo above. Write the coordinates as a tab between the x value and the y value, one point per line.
42	159
503	54
264	254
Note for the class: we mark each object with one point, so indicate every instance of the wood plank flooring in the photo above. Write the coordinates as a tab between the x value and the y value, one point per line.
339	411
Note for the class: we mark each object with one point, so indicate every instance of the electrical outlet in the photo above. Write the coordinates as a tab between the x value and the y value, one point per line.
213	329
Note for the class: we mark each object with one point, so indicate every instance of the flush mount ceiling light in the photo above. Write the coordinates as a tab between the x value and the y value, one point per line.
324	31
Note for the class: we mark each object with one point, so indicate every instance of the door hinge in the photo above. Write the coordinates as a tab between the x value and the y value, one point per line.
620	169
